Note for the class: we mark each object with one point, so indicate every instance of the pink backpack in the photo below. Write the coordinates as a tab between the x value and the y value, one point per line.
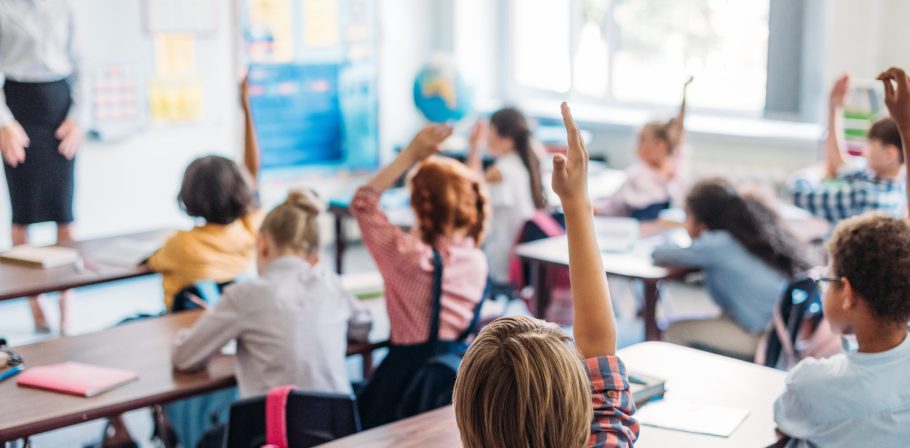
276	421
542	224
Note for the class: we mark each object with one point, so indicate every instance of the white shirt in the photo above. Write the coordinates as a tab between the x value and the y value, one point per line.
645	186
38	44
848	400
291	327
512	205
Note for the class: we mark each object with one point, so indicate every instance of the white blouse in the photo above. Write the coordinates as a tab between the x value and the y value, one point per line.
512	205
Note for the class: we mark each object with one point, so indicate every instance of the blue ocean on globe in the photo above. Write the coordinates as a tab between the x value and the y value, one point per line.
441	94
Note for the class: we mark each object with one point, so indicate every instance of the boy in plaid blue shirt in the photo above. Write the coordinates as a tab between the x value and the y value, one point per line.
850	191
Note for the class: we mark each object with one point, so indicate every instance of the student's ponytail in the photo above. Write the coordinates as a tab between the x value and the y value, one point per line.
511	123
293	224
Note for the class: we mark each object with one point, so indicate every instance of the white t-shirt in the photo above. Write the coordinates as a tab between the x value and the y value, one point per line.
848	400
512	205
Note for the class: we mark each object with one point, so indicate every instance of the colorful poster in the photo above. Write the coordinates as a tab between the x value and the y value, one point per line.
116	102
321	23
175	55
175	100
270	34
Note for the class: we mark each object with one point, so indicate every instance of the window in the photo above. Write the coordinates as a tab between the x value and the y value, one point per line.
640	51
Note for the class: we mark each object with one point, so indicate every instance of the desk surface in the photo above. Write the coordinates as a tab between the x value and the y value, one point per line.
633	263
692	375
21	281
142	347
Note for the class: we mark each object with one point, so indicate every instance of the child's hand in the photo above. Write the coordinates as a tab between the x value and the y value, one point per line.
570	172
839	91
245	93
688	81
427	141
897	96
478	135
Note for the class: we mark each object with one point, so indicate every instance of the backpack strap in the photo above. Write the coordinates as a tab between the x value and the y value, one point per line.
437	296
276	421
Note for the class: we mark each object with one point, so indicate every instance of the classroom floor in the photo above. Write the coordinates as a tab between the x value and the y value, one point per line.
99	307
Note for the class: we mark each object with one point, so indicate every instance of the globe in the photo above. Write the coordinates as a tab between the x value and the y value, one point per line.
440	92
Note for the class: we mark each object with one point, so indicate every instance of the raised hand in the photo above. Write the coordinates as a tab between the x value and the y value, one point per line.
427	142
70	135
897	96
570	172
478	135
13	141
839	91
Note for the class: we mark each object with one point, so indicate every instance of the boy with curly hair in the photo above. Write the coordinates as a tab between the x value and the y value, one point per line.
860	398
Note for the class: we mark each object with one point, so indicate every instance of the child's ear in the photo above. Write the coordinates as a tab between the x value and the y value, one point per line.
313	260
850	301
262	246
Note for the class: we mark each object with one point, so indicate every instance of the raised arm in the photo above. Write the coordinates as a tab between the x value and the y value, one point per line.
835	146
680	125
251	152
595	329
897	98
424	144
478	135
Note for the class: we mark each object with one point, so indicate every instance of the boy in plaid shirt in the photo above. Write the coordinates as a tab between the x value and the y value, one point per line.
850	191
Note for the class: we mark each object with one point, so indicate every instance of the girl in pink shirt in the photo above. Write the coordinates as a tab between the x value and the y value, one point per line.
434	276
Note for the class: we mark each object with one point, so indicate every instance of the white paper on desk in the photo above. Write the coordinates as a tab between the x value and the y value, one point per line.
690	417
125	252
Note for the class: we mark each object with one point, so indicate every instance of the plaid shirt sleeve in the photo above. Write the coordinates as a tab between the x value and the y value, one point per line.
613	424
851	194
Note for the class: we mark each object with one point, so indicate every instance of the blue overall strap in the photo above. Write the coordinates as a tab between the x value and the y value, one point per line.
437	295
476	319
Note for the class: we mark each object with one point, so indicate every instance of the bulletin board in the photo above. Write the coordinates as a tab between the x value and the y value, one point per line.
313	81
143	63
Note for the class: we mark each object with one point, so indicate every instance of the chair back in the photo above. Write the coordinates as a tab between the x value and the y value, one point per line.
311	419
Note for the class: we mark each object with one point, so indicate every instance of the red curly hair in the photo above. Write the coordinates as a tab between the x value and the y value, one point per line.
447	197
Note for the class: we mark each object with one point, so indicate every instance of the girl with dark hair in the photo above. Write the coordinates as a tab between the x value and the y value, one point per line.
748	256
516	186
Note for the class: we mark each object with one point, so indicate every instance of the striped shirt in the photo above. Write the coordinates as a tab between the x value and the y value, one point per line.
406	265
613	424
851	193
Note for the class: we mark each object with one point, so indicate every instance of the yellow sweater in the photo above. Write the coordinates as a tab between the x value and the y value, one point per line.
210	252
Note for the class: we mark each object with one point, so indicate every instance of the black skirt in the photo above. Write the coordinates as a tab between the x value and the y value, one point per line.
41	189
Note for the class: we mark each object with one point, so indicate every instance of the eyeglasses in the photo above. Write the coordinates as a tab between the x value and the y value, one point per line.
824	282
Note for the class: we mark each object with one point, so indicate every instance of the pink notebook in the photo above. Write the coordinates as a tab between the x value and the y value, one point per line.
75	378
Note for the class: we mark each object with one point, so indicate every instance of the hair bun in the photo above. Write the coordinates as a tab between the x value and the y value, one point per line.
306	200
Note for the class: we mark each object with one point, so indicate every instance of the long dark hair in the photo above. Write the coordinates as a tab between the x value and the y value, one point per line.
717	204
511	123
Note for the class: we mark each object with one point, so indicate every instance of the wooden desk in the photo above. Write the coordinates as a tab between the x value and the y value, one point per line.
692	376
143	347
22	281
634	264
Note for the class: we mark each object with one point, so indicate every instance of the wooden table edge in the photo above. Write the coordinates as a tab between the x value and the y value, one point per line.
140	272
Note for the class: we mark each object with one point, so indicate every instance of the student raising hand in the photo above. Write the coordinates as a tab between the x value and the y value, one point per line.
426	143
595	329
897	97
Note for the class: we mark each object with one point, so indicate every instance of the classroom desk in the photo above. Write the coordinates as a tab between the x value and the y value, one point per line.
635	263
22	281
602	183
692	376
143	347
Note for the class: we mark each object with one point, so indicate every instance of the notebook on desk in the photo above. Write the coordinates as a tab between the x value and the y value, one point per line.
645	387
41	257
75	378
696	418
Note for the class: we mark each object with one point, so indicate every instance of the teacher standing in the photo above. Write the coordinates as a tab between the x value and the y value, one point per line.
39	131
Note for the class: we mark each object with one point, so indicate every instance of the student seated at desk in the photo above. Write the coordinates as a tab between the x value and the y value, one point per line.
748	256
860	398
661	175
876	184
514	180
291	324
434	277
219	192
525	383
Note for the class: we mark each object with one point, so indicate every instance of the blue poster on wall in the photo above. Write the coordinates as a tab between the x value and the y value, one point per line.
313	82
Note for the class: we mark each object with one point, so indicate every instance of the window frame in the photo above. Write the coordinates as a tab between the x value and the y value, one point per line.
803	82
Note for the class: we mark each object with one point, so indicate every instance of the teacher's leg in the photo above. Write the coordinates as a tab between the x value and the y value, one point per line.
20	236
64	236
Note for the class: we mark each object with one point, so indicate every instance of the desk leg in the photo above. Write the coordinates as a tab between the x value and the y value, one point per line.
341	243
649	316
540	281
